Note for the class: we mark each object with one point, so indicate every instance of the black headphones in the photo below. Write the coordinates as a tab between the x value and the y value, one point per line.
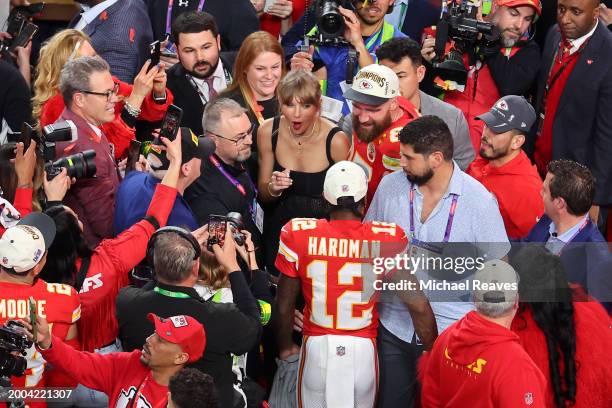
181	232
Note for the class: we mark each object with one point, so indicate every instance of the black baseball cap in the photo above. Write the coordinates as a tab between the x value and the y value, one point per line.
510	112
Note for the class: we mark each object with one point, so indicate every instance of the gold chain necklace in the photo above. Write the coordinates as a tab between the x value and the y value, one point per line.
300	141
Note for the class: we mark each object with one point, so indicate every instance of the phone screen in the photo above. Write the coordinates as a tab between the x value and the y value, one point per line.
171	123
217	226
33	317
133	155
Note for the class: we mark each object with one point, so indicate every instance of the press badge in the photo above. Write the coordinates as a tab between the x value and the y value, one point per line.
258	216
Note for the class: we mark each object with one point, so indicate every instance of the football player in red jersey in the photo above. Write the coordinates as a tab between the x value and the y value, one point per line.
23	253
331	261
379	113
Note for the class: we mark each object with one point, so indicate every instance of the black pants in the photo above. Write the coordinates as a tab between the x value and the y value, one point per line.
397	362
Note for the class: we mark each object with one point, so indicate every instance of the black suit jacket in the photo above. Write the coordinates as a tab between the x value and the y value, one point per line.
187	98
582	128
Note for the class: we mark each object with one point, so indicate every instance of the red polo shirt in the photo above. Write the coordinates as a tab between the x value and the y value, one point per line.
517	186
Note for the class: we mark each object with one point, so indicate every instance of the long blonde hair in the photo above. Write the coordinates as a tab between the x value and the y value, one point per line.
211	273
54	54
253	45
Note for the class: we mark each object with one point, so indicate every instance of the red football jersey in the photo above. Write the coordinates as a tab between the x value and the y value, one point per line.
382	156
333	260
58	304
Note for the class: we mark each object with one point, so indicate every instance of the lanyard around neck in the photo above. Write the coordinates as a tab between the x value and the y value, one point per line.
449	223
172	294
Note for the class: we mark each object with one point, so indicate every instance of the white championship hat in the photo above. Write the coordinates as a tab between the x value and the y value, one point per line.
345	179
373	85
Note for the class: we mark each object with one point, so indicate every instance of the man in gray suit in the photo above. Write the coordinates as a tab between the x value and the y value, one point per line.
403	56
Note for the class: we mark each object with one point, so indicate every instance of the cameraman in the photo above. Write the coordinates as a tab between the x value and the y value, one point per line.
230	328
505	67
23	254
365	30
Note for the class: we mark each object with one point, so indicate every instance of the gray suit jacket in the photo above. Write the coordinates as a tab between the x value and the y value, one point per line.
463	152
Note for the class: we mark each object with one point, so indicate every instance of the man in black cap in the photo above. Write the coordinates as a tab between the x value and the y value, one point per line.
136	190
23	254
504	168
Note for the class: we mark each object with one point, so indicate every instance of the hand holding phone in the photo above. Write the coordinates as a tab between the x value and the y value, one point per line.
155	49
133	155
33	315
217	226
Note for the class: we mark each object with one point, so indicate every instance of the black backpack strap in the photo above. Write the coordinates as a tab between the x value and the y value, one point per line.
80	278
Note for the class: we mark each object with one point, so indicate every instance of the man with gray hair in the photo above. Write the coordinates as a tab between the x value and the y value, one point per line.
90	95
225	184
478	361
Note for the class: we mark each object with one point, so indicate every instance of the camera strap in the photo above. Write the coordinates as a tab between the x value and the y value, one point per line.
80	278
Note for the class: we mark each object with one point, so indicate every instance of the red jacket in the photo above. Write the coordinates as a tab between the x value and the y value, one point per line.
517	186
477	363
593	346
117	132
121	376
108	272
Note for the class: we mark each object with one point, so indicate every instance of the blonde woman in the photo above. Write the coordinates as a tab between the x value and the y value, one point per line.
147	99
295	151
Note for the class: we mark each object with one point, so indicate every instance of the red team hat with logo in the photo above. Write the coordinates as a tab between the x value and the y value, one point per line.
518	3
183	330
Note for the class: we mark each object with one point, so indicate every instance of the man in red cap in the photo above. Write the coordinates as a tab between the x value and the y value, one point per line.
136	379
494	68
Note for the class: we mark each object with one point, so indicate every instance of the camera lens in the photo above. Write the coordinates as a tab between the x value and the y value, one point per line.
79	165
330	20
11	365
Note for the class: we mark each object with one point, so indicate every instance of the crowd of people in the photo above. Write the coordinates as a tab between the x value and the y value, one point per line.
207	204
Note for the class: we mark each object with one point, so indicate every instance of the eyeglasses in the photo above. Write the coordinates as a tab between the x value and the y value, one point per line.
108	94
239	138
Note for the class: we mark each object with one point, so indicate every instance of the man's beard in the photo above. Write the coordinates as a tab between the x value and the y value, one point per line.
196	74
495	153
367	136
422	179
509	42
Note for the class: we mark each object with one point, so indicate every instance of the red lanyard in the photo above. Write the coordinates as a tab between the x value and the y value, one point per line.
449	223
584	224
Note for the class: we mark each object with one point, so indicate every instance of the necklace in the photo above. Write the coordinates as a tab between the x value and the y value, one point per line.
302	140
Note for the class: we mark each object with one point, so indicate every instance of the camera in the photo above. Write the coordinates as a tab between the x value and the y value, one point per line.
457	32
78	165
20	28
13	339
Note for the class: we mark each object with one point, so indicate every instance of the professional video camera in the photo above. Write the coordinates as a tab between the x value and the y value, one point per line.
78	165
13	340
20	28
457	32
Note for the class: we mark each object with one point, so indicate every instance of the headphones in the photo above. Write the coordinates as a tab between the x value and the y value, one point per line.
181	232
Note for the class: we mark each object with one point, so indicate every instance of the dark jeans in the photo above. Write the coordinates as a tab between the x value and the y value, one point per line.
397	362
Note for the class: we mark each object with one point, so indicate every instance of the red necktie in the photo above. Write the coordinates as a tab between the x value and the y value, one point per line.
211	89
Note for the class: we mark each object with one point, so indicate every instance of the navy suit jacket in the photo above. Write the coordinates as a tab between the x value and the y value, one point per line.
586	258
420	14
121	35
582	128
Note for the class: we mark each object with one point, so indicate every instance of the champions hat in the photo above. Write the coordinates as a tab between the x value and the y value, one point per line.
518	3
373	85
510	112
23	246
496	282
192	146
183	330
345	179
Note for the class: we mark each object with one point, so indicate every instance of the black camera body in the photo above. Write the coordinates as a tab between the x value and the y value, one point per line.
13	339
457	32
330	22
19	27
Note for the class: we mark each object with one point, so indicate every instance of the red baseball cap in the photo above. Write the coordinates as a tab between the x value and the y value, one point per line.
183	330
518	3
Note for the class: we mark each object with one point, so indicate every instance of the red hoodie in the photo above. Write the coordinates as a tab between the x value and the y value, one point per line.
477	363
517	186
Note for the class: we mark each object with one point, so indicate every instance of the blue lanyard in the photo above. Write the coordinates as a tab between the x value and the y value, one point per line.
449	223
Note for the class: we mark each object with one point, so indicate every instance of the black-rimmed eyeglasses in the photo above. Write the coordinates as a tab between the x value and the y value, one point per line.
108	94
239	138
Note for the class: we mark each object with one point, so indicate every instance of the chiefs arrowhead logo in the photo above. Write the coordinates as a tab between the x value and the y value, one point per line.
503	105
365	85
